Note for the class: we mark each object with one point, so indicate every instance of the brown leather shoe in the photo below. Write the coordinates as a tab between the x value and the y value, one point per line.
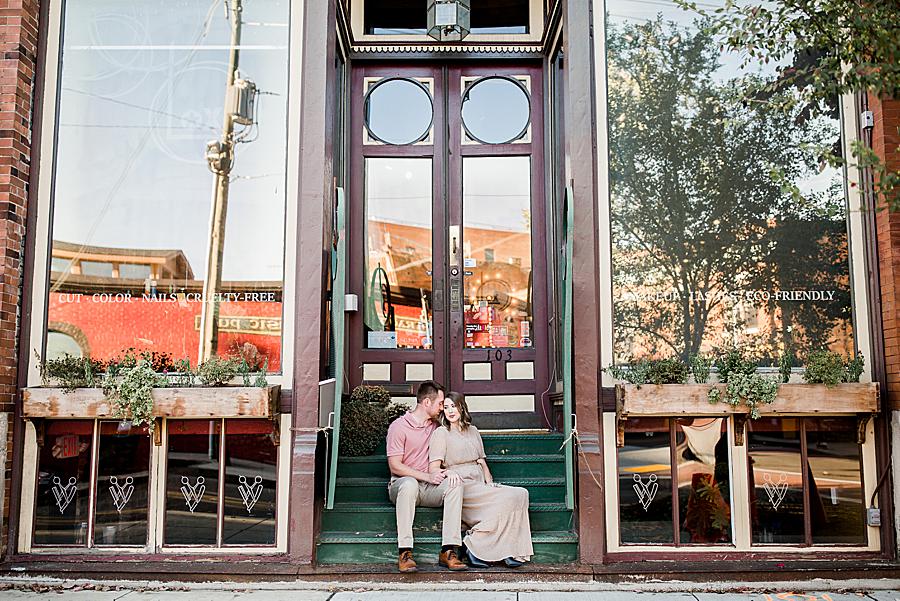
406	563
451	561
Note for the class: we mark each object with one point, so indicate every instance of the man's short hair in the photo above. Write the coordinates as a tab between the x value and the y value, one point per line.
428	390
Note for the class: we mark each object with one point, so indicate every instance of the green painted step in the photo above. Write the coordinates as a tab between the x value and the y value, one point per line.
349	547
374	490
359	517
514	444
502	466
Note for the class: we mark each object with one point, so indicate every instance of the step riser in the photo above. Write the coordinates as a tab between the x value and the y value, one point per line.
500	470
427	521
426	554
500	444
377	493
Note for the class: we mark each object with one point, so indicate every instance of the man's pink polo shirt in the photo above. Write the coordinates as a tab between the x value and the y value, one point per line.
408	439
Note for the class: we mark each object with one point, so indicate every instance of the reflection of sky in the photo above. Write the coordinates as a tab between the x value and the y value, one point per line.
143	88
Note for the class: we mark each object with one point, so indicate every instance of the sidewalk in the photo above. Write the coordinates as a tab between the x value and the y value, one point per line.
43	589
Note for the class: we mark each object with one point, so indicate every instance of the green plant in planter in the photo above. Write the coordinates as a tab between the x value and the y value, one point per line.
785	364
734	362
753	390
700	368
364	420
218	371
655	371
831	369
70	372
131	390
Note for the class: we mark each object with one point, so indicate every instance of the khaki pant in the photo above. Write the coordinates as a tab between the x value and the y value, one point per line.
407	492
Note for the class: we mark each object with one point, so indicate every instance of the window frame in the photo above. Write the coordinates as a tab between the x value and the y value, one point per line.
46	150
156	500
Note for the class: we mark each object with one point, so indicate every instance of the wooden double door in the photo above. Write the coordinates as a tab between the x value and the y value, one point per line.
447	235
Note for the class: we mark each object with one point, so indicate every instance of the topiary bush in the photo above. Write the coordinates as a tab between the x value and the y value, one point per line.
364	420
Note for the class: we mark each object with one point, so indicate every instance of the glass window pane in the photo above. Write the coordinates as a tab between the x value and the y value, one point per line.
704	504
397	286
192	482
497	252
496	110
398	111
776	481
123	481
837	507
63	488
250	477
710	250
395	17
142	92
645	482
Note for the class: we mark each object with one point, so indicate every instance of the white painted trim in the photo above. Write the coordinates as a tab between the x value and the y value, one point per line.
862	328
519	370
500	403
376	372
29	478
610	481
604	259
476	372
740	491
284	484
419	372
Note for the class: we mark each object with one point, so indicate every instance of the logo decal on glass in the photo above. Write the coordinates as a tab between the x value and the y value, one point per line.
193	494
776	490
250	493
63	494
121	493
646	491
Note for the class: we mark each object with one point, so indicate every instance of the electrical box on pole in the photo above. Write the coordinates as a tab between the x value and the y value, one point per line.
242	101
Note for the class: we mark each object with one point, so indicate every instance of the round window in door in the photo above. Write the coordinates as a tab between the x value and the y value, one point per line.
496	110
398	111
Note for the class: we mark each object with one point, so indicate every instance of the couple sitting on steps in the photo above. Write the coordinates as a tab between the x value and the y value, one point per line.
437	458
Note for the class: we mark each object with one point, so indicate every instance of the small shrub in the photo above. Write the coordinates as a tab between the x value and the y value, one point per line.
656	371
785	364
395	410
831	369
734	362
364	420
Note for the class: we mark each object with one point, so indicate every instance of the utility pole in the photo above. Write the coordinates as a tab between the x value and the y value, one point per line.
220	156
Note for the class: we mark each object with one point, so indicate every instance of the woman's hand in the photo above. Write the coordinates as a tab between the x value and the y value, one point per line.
454	479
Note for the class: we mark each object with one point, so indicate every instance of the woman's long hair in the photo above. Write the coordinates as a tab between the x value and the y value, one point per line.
465	420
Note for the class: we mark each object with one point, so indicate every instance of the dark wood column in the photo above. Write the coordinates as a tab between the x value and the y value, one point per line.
581	156
313	216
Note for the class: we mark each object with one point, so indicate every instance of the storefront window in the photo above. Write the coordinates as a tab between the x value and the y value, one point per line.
123	485
700	513
197	462
142	127
806	482
710	247
62	505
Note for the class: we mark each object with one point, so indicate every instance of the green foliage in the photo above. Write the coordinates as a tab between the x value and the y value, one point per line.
395	410
71	372
700	368
656	371
261	381
364	420
218	371
785	364
829	368
835	47
753	390
734	363
130	387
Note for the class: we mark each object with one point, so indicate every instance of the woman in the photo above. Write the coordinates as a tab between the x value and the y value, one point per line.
497	515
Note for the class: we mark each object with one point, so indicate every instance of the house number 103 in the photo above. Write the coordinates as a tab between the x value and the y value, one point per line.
499	355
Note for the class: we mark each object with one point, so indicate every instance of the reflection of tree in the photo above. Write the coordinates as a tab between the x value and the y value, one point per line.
695	212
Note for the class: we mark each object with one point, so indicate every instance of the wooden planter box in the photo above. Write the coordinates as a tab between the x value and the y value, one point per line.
224	401
691	400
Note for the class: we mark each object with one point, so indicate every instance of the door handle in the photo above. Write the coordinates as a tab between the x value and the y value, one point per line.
453	239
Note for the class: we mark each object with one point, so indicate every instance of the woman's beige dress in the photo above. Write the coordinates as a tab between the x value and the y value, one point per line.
497	516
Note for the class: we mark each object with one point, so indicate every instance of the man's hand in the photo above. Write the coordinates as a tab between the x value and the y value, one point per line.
437	477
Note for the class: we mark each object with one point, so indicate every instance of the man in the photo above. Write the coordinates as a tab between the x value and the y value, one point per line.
411	484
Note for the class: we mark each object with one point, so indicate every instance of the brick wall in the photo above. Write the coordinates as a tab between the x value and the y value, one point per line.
18	52
886	142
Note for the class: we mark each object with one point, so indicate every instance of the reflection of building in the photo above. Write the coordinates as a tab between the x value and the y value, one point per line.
98	295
